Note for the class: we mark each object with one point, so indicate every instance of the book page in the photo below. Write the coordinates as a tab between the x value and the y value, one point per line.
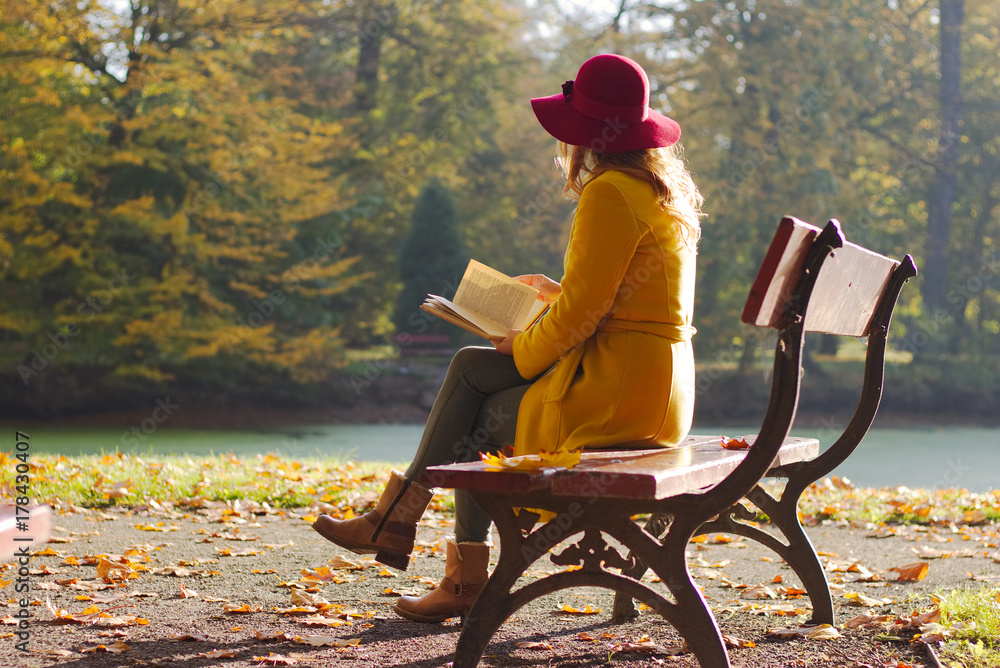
495	297
455	314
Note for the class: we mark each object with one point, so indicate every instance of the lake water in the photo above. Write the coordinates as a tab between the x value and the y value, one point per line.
929	457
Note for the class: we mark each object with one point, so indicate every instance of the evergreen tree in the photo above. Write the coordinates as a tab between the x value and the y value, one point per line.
431	260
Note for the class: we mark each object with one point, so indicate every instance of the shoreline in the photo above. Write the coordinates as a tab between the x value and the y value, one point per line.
251	417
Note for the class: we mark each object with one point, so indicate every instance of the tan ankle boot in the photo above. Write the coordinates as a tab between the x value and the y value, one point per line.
401	505
465	573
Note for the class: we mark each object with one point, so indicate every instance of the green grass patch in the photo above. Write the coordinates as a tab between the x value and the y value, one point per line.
975	613
134	479
833	499
131	479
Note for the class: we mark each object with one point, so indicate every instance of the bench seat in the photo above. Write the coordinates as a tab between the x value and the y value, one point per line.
698	462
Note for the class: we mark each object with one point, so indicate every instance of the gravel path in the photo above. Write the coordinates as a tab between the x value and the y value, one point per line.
187	566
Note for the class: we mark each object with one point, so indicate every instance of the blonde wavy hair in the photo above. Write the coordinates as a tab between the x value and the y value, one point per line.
663	168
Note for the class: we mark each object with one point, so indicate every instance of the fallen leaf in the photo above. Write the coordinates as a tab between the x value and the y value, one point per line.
735	641
115	633
296	610
734	443
274	635
233	608
589	610
911	572
856	598
918	619
219	654
160	526
276	659
117	648
647	646
343	563
188	593
560	459
817	632
110	570
925	552
229	552
867	619
326	641
319	620
187	637
758	592
305	598
534	645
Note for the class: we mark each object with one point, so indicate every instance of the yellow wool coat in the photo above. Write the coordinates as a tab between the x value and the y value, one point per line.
614	350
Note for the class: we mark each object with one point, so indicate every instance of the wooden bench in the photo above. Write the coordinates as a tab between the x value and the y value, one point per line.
698	487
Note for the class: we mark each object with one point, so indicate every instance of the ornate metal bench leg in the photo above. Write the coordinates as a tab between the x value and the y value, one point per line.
495	602
799	553
802	557
490	611
624	608
696	623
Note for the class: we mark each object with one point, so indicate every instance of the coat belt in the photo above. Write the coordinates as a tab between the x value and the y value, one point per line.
565	370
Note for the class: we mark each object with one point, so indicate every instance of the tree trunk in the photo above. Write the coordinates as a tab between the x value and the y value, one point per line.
372	25
942	195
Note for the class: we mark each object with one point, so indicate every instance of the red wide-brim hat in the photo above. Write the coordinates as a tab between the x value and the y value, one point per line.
606	108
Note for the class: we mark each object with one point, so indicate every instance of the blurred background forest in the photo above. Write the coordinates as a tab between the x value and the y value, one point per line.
245	201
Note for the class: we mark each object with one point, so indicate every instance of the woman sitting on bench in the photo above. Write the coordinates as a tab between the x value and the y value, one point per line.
611	363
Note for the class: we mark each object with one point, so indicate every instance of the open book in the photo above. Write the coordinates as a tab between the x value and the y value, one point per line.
488	303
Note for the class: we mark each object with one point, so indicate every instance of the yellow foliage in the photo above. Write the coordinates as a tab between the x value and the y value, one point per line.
559	459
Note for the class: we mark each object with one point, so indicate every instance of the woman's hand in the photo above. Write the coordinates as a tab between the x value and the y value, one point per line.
506	346
548	289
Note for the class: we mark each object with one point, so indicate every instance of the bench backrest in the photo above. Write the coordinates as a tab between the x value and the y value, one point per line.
847	291
813	280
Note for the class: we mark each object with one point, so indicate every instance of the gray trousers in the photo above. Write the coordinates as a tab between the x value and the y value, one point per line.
475	411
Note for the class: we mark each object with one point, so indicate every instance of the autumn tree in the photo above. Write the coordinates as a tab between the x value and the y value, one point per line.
434	94
431	260
167	213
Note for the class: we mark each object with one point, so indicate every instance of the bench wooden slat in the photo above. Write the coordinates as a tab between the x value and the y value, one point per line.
700	461
846	293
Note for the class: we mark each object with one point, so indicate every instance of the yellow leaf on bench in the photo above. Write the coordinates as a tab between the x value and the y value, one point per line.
543	460
734	443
